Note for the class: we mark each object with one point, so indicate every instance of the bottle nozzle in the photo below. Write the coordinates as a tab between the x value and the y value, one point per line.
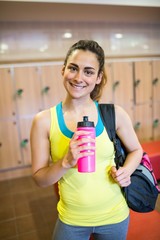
85	118
85	123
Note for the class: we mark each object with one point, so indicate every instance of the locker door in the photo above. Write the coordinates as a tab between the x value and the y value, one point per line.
143	122
143	82
28	90
156	81
52	90
130	110
29	102
7	103
10	154
123	83
156	121
25	127
107	94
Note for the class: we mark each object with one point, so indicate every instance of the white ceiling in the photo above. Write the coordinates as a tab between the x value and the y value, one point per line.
34	30
147	3
44	11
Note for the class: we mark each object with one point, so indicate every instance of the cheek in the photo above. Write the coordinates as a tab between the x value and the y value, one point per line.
66	79
93	81
68	75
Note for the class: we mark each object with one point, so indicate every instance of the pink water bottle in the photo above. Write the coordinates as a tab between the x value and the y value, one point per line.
87	163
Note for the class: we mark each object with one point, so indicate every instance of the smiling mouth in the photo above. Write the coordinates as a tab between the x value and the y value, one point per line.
77	86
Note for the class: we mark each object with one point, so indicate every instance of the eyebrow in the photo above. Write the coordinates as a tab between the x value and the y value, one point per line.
78	66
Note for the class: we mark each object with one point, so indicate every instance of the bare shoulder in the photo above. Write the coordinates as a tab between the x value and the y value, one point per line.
42	120
122	117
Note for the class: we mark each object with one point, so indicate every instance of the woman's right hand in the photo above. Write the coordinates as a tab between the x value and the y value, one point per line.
78	147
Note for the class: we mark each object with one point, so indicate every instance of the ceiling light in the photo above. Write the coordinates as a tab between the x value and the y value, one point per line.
43	48
67	35
3	46
118	35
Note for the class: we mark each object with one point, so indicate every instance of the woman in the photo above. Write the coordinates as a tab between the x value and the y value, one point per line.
90	203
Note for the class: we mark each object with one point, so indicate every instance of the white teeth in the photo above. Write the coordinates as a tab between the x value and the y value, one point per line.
76	86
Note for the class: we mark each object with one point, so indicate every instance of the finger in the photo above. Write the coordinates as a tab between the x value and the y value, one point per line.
81	134
123	179
73	144
113	172
86	142
125	183
86	149
85	154
113	169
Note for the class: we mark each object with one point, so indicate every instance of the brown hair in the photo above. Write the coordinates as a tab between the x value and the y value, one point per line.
92	46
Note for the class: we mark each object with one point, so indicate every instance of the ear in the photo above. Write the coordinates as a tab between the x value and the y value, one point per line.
62	71
99	78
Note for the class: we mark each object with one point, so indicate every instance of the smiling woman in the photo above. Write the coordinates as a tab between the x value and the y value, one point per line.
89	203
81	72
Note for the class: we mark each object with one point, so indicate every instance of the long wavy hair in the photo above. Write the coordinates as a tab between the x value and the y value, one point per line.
92	46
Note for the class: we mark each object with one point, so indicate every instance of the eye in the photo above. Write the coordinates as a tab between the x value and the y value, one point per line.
72	68
88	72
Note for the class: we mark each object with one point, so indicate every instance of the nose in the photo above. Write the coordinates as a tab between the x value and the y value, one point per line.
79	76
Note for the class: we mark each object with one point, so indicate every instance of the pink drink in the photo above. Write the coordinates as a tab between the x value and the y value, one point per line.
87	164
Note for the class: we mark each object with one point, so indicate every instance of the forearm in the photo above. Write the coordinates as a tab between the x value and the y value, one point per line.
132	161
49	175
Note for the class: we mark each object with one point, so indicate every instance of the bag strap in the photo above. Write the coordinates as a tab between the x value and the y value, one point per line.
107	112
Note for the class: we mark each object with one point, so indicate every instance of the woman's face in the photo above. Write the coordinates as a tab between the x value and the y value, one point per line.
81	73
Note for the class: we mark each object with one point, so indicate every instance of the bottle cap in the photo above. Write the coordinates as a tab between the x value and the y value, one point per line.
85	123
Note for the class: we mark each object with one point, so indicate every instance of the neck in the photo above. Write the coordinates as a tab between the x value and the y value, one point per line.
77	105
74	110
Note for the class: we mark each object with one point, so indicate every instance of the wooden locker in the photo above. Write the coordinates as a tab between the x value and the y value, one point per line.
10	153
53	90
130	111
156	80
123	83
25	128
7	103
107	94
143	122
28	90
143	82
156	121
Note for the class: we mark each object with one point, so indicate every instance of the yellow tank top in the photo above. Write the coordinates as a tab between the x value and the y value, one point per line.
87	199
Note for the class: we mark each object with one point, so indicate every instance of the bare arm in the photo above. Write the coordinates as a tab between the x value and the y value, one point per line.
126	133
43	173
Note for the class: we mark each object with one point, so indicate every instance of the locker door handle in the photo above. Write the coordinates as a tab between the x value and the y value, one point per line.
24	142
137	125
19	92
115	85
155	81
45	89
155	123
137	82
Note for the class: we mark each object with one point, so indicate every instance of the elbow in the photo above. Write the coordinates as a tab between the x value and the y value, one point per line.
141	151
38	180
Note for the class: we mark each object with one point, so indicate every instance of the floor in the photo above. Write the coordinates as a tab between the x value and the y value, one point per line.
28	212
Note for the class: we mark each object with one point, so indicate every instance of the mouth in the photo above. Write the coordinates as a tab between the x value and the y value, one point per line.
77	86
